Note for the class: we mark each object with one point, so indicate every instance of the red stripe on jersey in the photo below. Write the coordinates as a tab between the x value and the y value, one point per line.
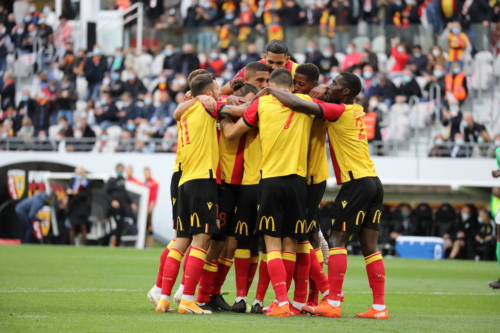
289	120
336	167
186	133
218	174
237	175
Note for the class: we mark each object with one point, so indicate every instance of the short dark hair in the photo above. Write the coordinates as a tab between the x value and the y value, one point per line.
352	82
277	46
417	47
281	77
119	165
201	83
197	72
308	70
241	88
256	66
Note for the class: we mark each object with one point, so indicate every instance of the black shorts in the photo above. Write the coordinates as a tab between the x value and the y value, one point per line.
197	208
227	196
282	211
358	204
174	195
245	216
315	194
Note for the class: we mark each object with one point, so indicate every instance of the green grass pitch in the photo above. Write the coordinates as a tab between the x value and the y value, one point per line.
64	289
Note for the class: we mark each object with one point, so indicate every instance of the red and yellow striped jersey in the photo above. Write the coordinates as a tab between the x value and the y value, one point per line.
197	139
290	66
348	141
231	159
457	43
177	164
252	158
284	135
317	164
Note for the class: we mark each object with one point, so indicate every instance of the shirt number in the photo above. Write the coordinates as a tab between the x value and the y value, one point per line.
184	132
361	125
289	120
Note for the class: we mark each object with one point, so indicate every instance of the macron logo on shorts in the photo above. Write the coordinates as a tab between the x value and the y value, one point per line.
344	203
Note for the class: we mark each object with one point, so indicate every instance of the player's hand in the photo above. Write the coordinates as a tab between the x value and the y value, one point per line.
235	100
318	91
208	102
134	207
69	191
495	173
115	204
261	93
188	96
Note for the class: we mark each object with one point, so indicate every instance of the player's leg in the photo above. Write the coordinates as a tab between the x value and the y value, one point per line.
496	284
209	275
262	284
224	264
254	262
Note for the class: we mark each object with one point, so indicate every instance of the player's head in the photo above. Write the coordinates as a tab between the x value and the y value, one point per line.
257	73
281	79
129	171
276	55
343	89
197	72
147	173
119	169
205	84
244	89
306	77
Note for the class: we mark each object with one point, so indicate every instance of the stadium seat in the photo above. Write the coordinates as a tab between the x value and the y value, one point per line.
97	130
340	57
382	62
496	66
220	81
202	58
114	132
482	71
53	132
378	44
142	65
157	65
423	212
300	57
420	115
445	217
397	81
422	81
399	122
223	57
80	105
81	87
359	41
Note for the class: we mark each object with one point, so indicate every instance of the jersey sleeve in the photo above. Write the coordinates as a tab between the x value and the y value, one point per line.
251	115
241	73
330	111
216	113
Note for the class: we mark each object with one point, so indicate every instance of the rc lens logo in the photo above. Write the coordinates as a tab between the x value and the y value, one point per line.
16	183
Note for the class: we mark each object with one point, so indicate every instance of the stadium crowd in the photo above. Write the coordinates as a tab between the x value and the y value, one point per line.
130	96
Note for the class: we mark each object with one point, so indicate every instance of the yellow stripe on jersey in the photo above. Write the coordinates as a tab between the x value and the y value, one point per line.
317	162
252	158
198	141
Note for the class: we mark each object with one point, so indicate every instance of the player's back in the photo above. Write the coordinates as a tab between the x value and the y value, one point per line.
349	145
284	136
197	139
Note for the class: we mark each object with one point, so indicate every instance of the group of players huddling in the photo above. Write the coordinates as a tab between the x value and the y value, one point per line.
252	162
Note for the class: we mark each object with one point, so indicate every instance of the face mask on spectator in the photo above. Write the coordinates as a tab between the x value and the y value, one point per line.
97	52
456	30
77	134
406	78
464	124
373	103
115	76
19	31
78	177
24	98
465	217
32	33
131	77
130	127
119	173
327	54
118	55
438	142
231	53
162	79
182	81
409	2
64	85
62	127
400	49
244	9
438	73
229	16
168	52
32	9
3	30
454	108
480	139
398	3
103	101
42	21
309	49
205	4
4	135
459	141
367	75
42	138
129	56
47	10
27	18
497	142
214	55
333	74
405	214
104	138
78	125
349	50
436	52
148	101
126	104
456	70
417	55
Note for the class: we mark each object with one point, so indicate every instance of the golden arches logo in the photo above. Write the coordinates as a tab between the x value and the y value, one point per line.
302	225
267	220
179	224
240	226
377	216
193	218
362	214
311	225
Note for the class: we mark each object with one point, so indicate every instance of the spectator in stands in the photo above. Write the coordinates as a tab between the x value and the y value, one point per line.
394	9
453	117
170	58
471	129
67	65
66	100
5	44
234	62
63	33
342	11
252	54
436	57
369	57
26	132
400	54
43	113
18	36
245	22
134	85
370	86
8	91
27	210
372	120
126	143
11	23
464	230
178	84
388	90
116	85
459	150
165	110
104	144
227	75
225	28
456	84
352	57
214	64
87	113
399	124
406	223
440	148
458	44
149	107
479	16
44	30
206	13
79	206
290	14
130	110
328	61
29	43
409	86
83	130
188	60
107	114
94	70
437	77
42	143
418	61
313	56
26	108
63	125
117	62
120	203
484	237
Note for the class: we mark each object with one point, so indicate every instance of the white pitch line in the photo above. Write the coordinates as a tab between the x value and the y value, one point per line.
32	316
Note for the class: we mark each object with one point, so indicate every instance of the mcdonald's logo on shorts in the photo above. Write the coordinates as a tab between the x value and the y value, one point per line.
302	225
311	225
377	216
240	226
194	218
267	220
179	224
362	215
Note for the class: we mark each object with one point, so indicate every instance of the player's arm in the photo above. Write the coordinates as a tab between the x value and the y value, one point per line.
207	101
296	103
233	131
235	111
226	89
495	173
